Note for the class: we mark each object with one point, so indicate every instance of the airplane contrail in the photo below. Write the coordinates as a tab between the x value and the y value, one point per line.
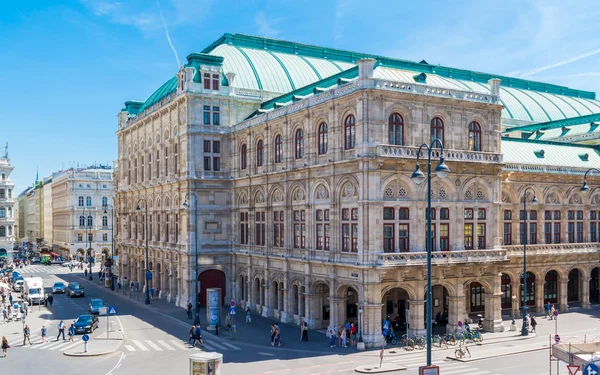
167	34
564	62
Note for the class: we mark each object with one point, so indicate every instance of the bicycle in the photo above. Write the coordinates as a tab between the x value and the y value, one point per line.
476	336
408	343
420	342
461	351
440	341
450	339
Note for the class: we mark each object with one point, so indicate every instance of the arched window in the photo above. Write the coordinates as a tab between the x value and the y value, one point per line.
278	149
322	138
260	153
396	124
80	201
437	130
88	201
244	157
349	132
104	221
474	136
2	212
104	201
2	231
90	222
299	144
82	221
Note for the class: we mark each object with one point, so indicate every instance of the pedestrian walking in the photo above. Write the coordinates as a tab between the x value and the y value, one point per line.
301	329
119	284
552	312
189	310
26	307
5	345
533	324
85	273
344	334
137	286
332	331
44	333
192	339
26	335
10	298
131	286
50	299
228	321
4	314
273	332
305	331
152	292
528	318
248	315
61	330
71	332
198	335
353	334
547	309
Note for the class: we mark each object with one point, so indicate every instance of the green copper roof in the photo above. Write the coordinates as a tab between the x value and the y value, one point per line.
540	153
556	124
164	90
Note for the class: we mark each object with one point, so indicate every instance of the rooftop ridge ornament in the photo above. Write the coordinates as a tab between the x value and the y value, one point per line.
5	156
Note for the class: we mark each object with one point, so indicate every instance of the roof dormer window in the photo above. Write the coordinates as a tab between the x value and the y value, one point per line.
211	80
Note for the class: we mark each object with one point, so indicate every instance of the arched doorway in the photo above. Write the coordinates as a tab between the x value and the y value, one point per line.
551	287
439	311
159	277
476	298
175	291
295	300
257	291
275	296
151	281
530	298
395	305
212	279
595	286
351	304
506	288
573	286
321	309
242	282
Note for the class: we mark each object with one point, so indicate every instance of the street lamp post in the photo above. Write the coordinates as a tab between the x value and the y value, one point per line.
112	245
88	249
186	204
147	300
525	329
418	177
585	187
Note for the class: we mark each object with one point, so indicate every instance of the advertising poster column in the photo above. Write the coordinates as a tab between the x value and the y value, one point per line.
213	307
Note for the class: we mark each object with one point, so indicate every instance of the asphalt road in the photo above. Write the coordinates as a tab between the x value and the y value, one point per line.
154	343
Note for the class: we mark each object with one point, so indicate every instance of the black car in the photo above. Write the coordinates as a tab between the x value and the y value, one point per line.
86	323
75	290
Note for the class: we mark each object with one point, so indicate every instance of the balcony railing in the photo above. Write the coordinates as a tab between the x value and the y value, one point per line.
441	257
553	249
450	155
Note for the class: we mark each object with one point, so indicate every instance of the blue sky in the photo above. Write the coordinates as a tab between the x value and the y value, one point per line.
66	68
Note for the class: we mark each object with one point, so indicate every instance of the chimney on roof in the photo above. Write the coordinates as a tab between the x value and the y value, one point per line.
495	88
230	78
365	68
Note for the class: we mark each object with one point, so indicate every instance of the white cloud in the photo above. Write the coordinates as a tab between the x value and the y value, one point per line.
561	63
267	27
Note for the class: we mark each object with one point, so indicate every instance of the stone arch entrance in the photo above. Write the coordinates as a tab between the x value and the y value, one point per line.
349	306
530	298
243	296
320	306
151	281
573	287
257	292
159	277
595	286
476	296
396	305
80	254
507	292
212	279
439	310
551	287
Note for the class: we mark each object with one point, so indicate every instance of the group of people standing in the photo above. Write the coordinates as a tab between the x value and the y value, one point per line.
342	335
196	335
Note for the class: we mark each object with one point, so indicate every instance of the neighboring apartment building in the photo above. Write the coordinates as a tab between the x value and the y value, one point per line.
34	223
21	215
47	212
80	198
8	220
301	158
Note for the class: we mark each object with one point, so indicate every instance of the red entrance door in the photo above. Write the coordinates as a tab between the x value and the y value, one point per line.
212	279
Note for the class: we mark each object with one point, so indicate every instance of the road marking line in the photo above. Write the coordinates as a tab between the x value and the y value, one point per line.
209	346
465	371
73	344
140	345
163	343
230	345
179	344
52	344
212	343
130	348
153	345
267	354
65	344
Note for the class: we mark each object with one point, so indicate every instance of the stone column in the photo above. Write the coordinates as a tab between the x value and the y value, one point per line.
284	315
493	307
562	294
456	309
539	296
336	310
267	303
585	292
249	292
515	289
371	325
416	319
310	313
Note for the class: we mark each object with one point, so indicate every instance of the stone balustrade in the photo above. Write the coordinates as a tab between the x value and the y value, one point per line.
553	249
449	155
441	257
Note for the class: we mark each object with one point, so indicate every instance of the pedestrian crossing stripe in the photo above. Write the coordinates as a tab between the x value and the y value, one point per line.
153	345
140	345
169	347
172	345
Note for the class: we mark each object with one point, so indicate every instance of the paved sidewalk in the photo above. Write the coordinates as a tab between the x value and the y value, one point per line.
95	348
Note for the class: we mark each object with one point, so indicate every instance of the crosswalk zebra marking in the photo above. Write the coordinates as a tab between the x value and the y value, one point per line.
230	345
163	343
54	347
140	345
178	344
130	348
153	345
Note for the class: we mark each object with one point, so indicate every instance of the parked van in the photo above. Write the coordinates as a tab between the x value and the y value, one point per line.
34	289
18	285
